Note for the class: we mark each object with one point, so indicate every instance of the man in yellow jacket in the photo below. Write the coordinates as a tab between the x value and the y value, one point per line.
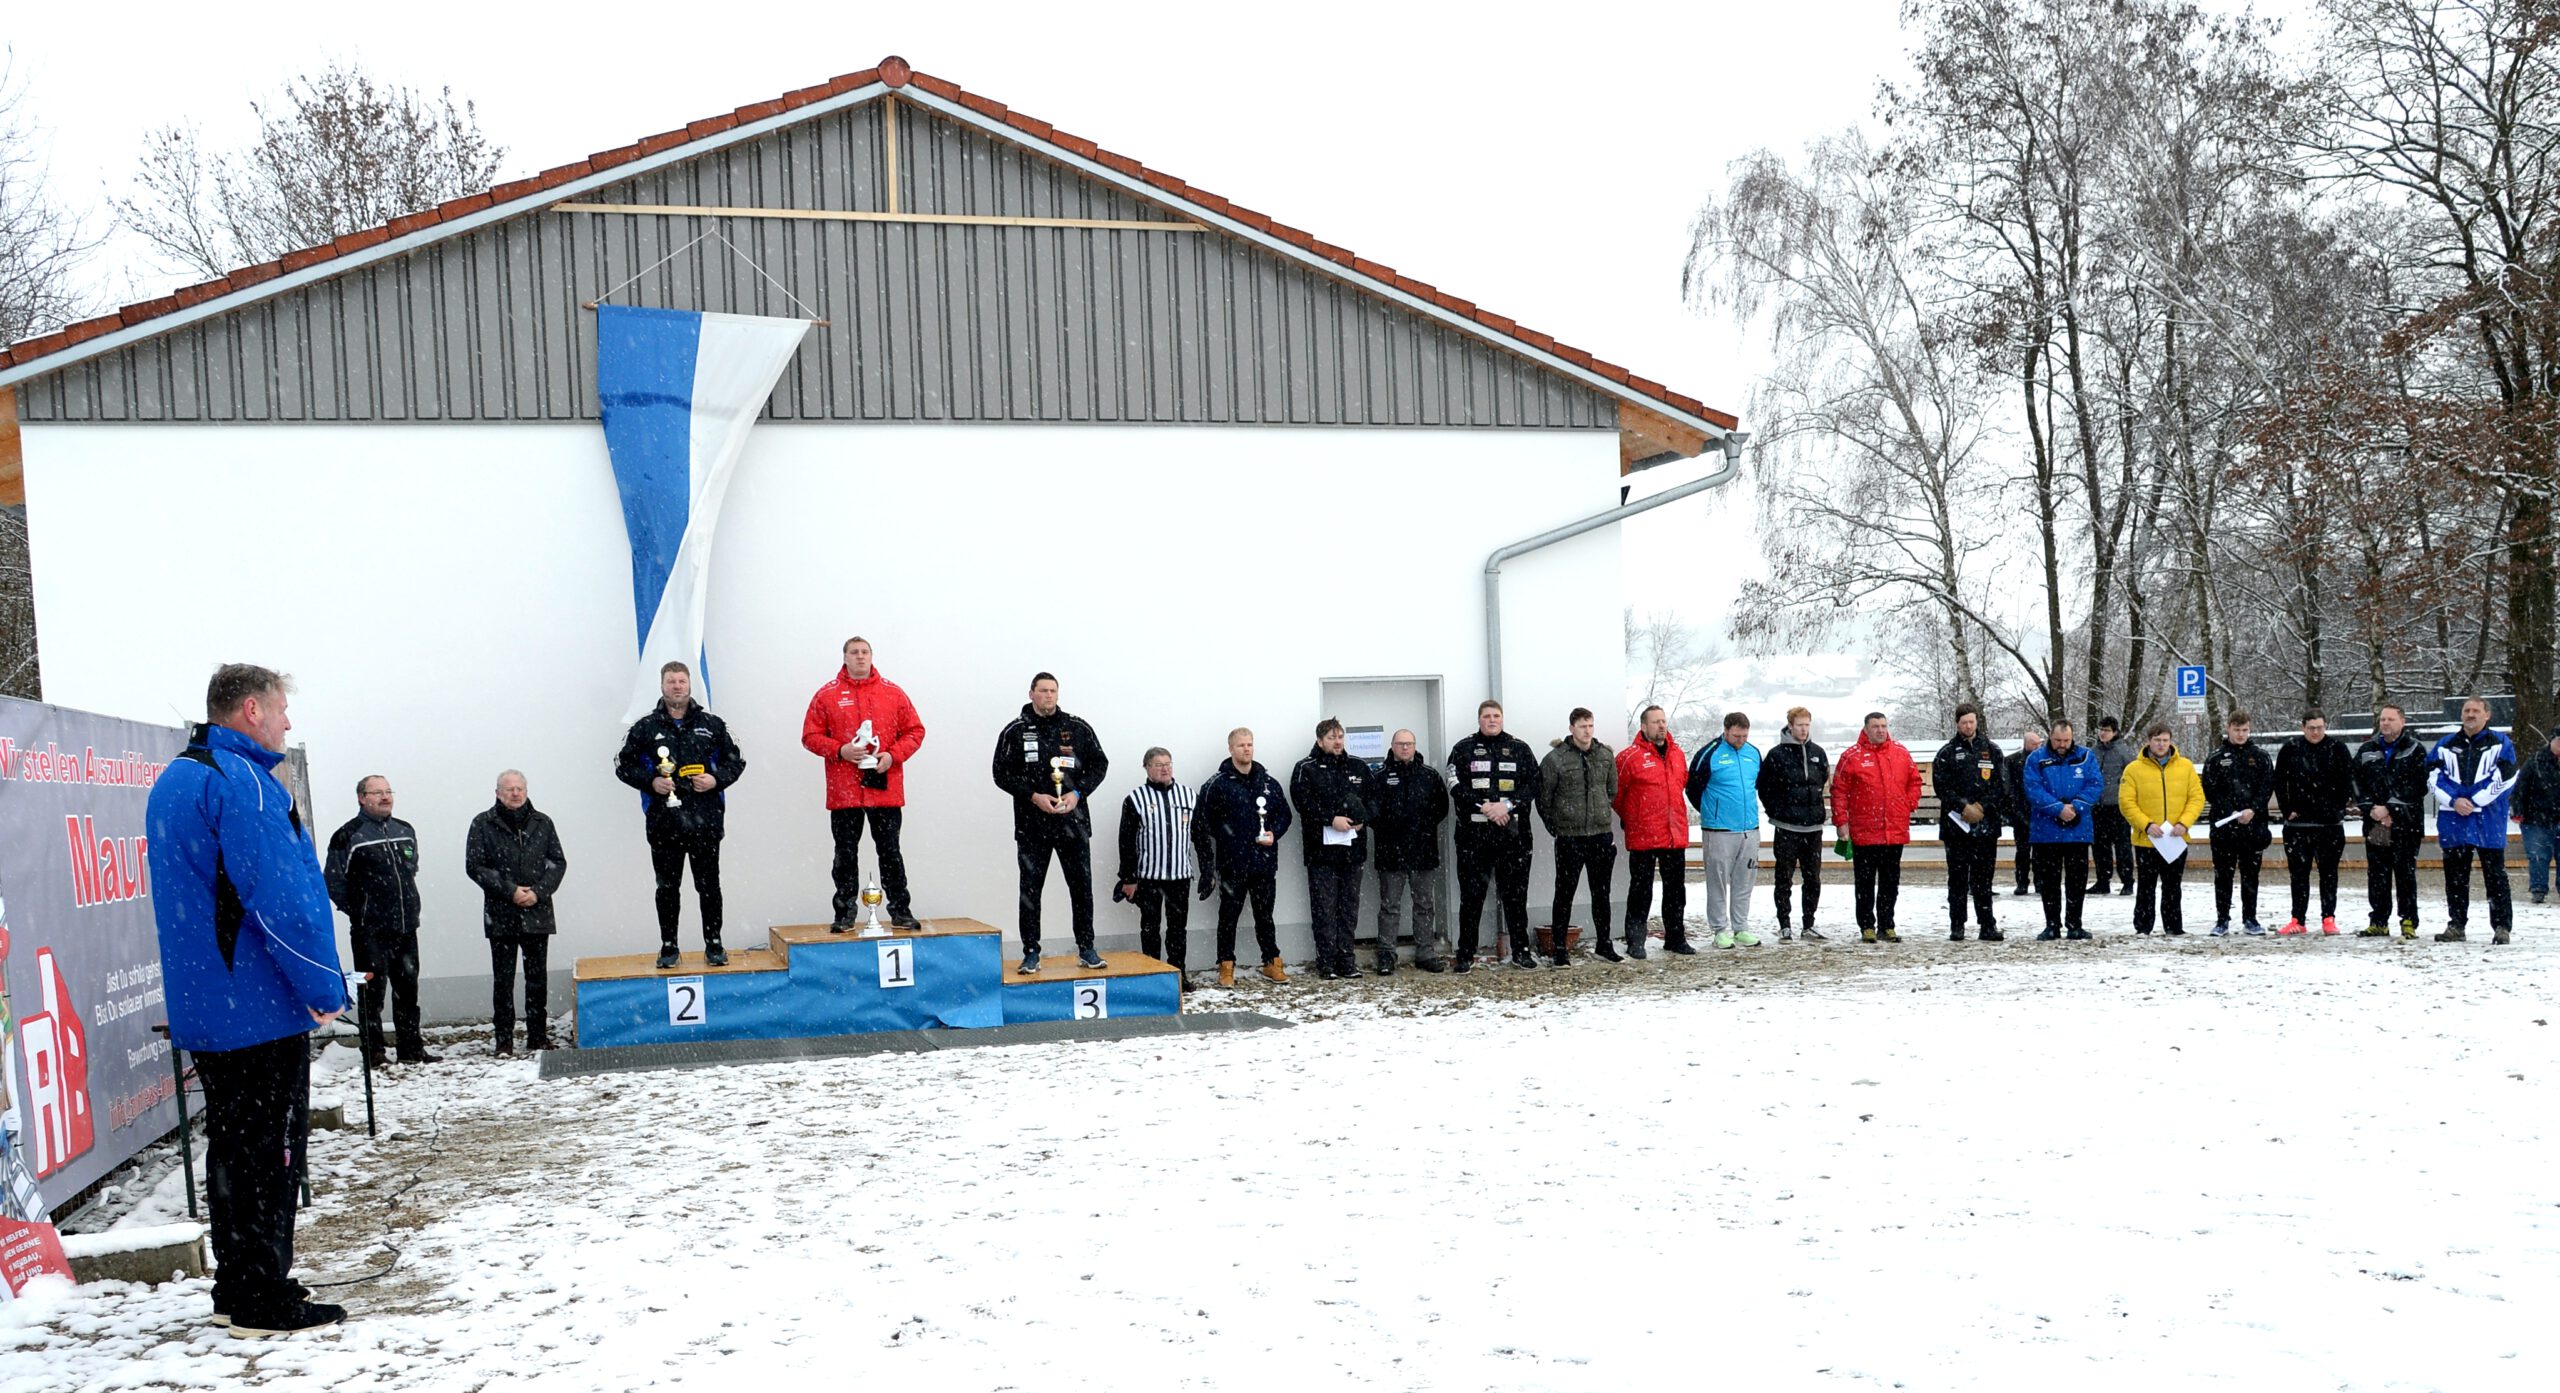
2161	798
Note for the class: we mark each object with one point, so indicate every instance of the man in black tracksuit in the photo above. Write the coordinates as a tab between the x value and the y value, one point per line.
1493	785
1410	802
1794	784
1973	795
2391	789
2111	845
2238	779
1051	762
513	854
2315	785
1236	825
1330	790
686	809
2013	782
373	879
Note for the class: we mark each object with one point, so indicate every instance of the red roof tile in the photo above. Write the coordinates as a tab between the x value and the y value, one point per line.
894	72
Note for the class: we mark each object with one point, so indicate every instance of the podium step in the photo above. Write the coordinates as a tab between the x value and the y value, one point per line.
1127	984
808	983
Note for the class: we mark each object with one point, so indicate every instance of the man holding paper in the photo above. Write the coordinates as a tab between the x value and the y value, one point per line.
2238	780
1972	793
2391	785
2161	795
1330	789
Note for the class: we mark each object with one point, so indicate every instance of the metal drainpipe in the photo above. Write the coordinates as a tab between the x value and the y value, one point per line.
1732	465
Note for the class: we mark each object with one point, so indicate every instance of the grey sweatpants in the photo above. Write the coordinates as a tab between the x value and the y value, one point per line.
1732	863
1422	890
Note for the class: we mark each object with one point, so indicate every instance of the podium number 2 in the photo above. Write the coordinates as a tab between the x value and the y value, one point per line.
897	965
1093	1000
685	1002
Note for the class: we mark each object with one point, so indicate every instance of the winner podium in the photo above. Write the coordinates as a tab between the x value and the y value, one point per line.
949	974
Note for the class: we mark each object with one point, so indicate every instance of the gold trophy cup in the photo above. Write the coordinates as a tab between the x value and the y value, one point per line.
667	771
1058	775
871	900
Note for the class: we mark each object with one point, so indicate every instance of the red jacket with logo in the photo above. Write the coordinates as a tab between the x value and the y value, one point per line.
1653	799
837	711
1873	791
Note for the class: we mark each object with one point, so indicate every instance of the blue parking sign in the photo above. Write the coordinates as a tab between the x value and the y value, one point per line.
2191	681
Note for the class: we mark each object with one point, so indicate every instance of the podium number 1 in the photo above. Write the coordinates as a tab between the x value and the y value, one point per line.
1093	1000
685	1002
897	964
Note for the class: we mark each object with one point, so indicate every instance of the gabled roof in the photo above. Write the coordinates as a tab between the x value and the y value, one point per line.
1674	422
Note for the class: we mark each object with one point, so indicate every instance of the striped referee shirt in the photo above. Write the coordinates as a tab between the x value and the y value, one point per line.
1162	823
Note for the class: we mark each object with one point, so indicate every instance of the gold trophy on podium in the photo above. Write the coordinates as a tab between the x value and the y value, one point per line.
871	900
667	771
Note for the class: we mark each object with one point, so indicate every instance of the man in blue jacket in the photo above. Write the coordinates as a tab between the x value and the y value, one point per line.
2475	772
250	962
2063	783
1724	786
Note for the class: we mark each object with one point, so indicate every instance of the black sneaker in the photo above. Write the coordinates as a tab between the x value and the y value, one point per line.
2174	931
1385	969
841	926
1994	936
2453	934
2049	935
1606	951
2082	935
2498	936
1956	934
904	920
666	959
1087	957
715	955
1030	963
1680	946
290	1318
1463	963
1432	965
1186	982
1560	961
1524	959
422	1057
1324	973
1635	948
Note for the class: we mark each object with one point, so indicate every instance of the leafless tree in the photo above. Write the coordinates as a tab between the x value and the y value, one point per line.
18	672
334	154
1667	662
41	243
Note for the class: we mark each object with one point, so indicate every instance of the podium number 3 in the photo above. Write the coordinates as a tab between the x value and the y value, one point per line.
685	1003
897	965
1093	1000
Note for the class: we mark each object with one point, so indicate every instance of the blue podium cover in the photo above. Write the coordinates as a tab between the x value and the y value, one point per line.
839	986
1093	998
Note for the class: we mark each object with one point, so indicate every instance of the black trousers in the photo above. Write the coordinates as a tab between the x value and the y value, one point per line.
1233	894
2239	850
1075	864
667	861
2161	886
1973	869
1333	898
2493	878
257	1117
393	961
1877	872
2062	881
1164	919
536	952
1671	866
847	825
2023	831
2309	846
2111	852
1798	852
1578	859
1490	855
2393	868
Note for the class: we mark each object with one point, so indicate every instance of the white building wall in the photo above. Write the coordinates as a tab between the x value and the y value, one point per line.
455	599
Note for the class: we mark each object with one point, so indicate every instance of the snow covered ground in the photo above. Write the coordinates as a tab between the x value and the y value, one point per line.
2135	1164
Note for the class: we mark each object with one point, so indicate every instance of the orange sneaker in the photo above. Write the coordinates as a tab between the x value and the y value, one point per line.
2291	927
2329	926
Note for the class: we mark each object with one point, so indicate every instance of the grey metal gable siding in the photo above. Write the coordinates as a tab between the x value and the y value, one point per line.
928	322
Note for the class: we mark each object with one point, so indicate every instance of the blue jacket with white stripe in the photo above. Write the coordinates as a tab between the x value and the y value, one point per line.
2481	768
247	947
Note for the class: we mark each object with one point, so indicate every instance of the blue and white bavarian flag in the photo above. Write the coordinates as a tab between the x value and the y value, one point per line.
679	390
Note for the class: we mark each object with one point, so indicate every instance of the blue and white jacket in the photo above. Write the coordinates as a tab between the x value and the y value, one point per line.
2481	768
248	949
1724	786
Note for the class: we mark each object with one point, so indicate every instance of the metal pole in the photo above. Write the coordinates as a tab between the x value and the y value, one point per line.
368	1093
1723	475
186	1135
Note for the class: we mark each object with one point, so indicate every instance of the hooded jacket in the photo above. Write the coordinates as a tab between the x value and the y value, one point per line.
1409	803
2315	784
2165	791
1968	771
2114	757
1874	791
2055	781
2481	768
1577	789
1042	754
247	948
1724	786
1225	820
837	713
699	742
2538	789
508	847
1794	774
1653	800
1322	788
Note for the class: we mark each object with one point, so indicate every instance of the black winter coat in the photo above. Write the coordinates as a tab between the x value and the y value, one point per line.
1969	771
2237	778
1409	802
1487	769
1793	780
2013	785
373	876
700	739
508	848
2395	776
1030	753
2538	790
1225	821
2315	784
1322	788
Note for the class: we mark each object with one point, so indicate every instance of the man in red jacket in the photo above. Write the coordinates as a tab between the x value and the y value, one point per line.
1653	805
863	726
1873	793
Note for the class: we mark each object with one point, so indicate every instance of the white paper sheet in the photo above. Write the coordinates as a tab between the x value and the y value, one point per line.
2171	846
1333	838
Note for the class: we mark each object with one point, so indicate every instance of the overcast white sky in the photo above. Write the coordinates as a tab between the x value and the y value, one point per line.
1544	162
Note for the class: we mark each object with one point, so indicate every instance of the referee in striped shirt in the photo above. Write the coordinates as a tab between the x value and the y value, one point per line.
1156	864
